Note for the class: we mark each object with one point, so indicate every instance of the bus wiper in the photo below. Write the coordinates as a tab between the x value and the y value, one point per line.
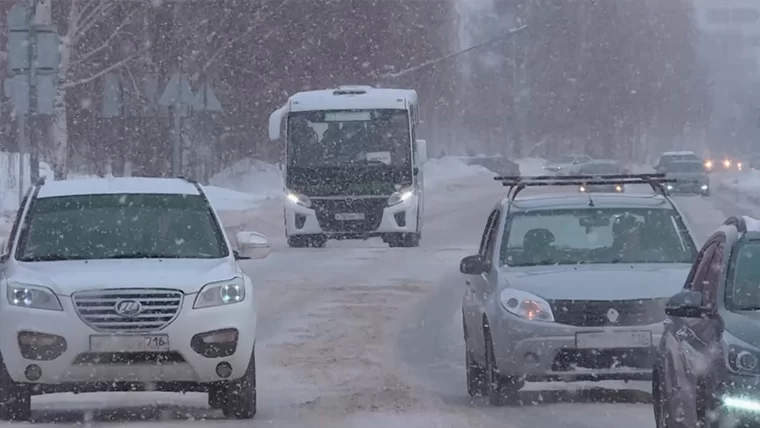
145	255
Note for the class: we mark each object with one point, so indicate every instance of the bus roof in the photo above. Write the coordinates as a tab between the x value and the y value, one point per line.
350	97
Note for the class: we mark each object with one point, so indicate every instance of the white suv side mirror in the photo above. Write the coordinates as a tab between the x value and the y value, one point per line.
253	245
421	151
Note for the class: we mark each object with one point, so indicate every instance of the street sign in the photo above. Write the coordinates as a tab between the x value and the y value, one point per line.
17	89
112	96
206	99
48	55
178	93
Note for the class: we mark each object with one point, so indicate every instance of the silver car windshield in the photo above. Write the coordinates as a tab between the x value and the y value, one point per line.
594	236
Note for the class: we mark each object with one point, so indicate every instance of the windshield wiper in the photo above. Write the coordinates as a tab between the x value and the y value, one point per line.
50	258
145	255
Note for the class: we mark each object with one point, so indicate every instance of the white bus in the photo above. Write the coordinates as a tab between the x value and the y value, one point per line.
353	166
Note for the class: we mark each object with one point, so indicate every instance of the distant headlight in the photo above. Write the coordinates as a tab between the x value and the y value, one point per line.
727	163
526	305
582	189
618	188
400	196
298	198
669	187
709	164
739	166
220	293
33	297
704	187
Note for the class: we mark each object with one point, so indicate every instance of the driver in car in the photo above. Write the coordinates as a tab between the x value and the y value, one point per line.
626	239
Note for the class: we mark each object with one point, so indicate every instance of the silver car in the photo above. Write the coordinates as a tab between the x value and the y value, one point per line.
569	287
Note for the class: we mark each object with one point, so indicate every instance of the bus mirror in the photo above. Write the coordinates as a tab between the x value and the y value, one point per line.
421	151
275	122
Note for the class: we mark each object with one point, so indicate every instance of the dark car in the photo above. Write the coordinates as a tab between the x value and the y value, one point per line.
690	177
707	372
669	157
601	167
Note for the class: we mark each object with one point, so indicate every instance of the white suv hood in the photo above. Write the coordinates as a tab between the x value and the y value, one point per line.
599	282
66	277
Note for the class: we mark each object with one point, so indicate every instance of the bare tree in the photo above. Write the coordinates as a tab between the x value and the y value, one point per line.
88	52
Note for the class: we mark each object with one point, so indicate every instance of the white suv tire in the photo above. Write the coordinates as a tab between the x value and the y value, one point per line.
237	399
15	398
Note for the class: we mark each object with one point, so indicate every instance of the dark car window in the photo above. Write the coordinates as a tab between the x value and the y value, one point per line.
698	282
711	281
492	235
601	168
682	166
743	287
487	233
589	236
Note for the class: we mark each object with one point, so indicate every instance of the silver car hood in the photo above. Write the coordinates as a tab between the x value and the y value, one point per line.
598	282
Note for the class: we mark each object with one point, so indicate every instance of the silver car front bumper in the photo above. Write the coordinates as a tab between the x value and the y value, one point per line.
544	351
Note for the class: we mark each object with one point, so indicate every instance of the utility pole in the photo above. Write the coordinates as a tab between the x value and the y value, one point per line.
31	47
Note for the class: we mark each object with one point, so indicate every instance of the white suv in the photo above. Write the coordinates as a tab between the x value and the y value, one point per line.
126	284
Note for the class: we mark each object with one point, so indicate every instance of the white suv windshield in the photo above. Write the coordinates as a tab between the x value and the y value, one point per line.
588	236
86	227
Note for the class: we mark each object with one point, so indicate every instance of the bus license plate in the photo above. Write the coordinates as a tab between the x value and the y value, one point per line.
349	216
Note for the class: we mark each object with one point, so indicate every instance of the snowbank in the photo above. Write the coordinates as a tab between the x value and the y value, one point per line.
251	176
450	168
746	185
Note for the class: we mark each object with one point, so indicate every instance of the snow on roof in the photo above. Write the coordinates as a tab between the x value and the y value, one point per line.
601	200
681	153
752	223
110	186
353	97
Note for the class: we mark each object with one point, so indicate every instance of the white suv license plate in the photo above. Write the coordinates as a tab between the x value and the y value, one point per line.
129	343
349	216
613	339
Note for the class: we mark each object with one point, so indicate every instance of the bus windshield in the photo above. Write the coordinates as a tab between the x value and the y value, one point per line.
349	137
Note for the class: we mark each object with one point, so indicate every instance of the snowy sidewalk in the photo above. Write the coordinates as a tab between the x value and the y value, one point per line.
743	186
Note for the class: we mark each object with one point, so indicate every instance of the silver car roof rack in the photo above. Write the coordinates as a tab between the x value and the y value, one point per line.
516	183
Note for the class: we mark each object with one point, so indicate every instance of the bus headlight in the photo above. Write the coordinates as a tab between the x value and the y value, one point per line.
400	196
298	198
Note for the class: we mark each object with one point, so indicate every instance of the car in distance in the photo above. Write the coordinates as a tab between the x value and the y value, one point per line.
570	287
126	284
685	155
560	164
600	167
690	177
707	371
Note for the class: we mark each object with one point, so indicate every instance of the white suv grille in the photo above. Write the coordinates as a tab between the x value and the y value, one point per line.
141	309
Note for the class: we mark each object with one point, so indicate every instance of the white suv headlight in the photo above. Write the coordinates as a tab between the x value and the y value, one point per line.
33	296
526	305
400	196
298	198
220	293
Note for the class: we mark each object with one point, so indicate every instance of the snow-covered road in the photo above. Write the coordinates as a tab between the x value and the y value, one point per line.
361	335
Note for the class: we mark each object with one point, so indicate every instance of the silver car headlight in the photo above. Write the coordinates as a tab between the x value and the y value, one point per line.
220	293
298	198
33	297
400	196
526	305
